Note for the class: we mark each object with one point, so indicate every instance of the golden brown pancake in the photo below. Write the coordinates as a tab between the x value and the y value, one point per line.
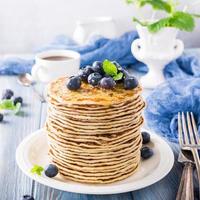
93	133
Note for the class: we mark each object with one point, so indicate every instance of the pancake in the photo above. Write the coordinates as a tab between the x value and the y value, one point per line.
89	95
94	134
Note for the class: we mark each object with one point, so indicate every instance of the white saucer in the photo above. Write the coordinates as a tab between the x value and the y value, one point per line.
34	150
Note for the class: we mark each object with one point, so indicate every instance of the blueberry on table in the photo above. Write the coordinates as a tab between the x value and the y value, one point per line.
18	100
74	83
7	94
107	83
51	170
1	117
130	83
27	197
97	66
145	137
94	78
84	73
146	152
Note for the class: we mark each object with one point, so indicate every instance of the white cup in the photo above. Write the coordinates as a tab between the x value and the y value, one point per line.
46	70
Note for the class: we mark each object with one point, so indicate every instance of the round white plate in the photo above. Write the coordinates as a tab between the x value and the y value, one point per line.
34	150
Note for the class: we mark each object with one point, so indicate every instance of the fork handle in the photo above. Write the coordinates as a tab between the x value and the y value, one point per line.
197	164
186	188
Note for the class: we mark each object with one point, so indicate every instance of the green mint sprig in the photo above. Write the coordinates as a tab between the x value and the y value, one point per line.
8	104
178	19
118	77
17	108
37	170
111	70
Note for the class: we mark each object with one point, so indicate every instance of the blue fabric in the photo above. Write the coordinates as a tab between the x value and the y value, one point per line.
165	101
100	48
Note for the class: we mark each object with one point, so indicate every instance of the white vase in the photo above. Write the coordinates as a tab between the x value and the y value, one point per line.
156	50
85	29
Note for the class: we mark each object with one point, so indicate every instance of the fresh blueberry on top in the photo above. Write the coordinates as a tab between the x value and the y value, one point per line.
94	78
7	94
1	117
97	66
74	83
130	83
27	197
84	73
145	137
51	170
18	100
107	83
146	152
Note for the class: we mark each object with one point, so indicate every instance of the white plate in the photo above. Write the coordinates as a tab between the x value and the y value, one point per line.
33	150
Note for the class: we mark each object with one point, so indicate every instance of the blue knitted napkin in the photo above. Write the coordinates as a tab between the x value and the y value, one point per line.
163	104
100	48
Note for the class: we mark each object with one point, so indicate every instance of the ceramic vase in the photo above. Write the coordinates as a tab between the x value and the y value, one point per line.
156	50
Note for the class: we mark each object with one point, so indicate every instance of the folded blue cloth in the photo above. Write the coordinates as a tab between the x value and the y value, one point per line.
163	104
100	48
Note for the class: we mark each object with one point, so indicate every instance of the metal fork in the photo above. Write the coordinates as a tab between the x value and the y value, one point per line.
186	182
189	138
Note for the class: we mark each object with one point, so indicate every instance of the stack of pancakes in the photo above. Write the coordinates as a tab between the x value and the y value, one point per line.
94	134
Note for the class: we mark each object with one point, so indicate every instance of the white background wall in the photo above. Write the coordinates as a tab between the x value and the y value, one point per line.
27	24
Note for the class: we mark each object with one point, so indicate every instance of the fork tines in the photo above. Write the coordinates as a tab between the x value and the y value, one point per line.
187	131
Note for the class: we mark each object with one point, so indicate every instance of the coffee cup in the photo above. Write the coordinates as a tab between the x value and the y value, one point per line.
52	64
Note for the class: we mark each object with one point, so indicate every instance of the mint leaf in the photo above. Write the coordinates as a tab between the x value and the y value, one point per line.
7	104
17	108
183	21
37	170
156	26
118	77
109	68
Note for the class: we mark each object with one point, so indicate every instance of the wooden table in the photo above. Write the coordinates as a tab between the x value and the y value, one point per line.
14	184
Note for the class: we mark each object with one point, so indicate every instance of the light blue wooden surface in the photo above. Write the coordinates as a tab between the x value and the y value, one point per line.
14	184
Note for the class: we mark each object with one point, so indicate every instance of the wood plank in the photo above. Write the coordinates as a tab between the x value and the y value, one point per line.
13	183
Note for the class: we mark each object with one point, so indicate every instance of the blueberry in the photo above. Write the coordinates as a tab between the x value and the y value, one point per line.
74	83
7	94
146	152
51	170
27	197
107	83
145	137
97	66
84	73
130	83
94	78
1	117
116	64
18	100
